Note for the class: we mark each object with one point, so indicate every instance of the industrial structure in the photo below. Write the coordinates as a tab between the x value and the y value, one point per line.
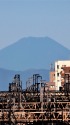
40	103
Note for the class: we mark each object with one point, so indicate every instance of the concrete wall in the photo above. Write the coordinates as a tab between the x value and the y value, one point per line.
58	69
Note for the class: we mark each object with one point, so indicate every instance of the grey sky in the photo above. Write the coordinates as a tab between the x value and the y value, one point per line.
21	18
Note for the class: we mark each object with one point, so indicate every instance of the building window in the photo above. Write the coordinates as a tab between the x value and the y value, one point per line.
57	66
57	74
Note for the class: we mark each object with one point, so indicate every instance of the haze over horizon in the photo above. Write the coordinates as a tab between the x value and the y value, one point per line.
19	19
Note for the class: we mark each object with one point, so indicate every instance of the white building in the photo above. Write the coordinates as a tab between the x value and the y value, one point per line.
58	69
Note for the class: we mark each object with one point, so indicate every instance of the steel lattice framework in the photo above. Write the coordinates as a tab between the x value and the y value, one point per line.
31	106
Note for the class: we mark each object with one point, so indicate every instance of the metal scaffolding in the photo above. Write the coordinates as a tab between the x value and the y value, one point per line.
34	105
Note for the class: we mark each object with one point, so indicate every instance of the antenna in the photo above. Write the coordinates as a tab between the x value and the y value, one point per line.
51	68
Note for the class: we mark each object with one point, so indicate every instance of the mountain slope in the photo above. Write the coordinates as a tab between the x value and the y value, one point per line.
32	52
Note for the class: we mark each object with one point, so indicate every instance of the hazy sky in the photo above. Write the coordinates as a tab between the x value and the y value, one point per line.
20	18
